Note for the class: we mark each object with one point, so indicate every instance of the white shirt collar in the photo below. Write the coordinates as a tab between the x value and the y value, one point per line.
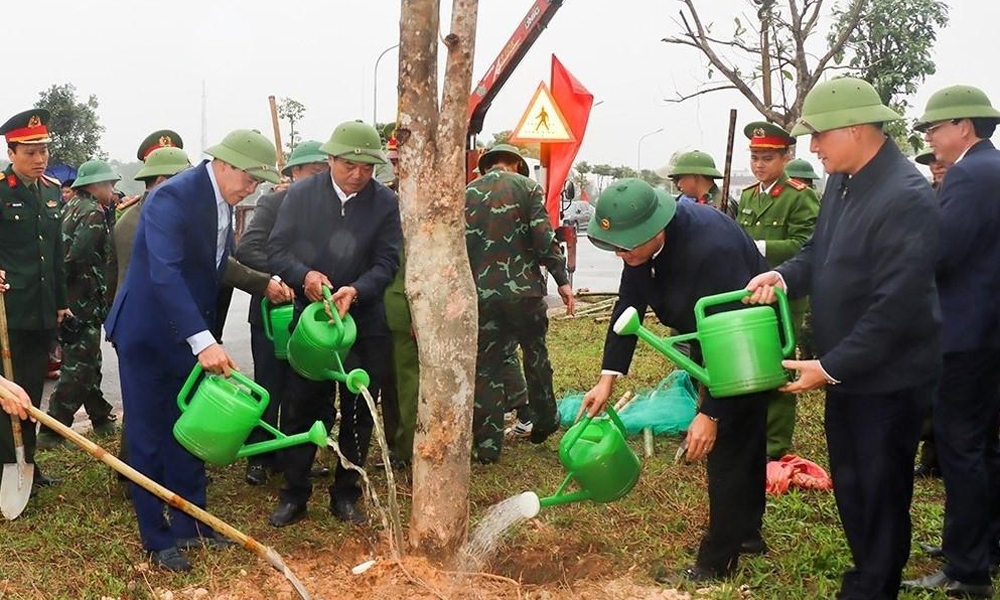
344	197
767	190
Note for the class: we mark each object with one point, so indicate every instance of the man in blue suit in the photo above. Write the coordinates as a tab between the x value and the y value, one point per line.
161	321
958	123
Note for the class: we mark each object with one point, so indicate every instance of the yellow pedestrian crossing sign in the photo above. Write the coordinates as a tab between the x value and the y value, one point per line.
543	121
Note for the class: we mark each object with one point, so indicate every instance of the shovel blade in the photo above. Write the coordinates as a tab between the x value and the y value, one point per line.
15	489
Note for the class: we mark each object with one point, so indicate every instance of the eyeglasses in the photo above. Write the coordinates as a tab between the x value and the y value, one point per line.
929	131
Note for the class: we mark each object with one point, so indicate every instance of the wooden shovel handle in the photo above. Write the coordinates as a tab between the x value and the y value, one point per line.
8	372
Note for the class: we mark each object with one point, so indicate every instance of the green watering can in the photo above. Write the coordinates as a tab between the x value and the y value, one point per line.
596	456
276	325
318	348
741	348
221	413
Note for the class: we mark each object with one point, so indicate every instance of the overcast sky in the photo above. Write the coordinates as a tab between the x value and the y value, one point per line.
146	62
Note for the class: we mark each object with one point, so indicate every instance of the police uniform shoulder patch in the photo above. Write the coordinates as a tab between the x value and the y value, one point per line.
51	180
751	186
128	203
798	185
2	176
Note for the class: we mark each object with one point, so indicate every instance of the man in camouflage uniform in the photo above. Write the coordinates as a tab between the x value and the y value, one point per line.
31	253
509	237
87	241
779	213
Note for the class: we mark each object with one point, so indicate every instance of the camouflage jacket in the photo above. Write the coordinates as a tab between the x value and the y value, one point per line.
87	241
509	237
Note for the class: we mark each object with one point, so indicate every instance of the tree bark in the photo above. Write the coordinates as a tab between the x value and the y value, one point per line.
439	281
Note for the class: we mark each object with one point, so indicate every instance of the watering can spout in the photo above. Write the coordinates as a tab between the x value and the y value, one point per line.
316	435
355	379
628	324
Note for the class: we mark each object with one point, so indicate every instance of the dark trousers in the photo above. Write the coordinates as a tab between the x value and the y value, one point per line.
737	476
872	440
308	401
270	372
29	350
967	425
150	400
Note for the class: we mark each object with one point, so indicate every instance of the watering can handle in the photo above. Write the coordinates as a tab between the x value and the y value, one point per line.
723	298
266	318
787	325
337	321
182	397
586	421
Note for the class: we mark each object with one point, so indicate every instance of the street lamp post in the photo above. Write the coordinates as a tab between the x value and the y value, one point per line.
375	93
638	152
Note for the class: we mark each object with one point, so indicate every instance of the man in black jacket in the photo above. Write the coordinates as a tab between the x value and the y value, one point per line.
268	370
342	232
958	123
869	271
674	254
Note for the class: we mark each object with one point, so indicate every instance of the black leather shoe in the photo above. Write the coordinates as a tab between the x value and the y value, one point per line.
347	512
212	542
754	546
319	471
256	474
940	582
697	574
170	559
932	551
926	471
286	514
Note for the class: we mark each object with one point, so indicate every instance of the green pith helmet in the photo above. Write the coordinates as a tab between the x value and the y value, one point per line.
357	142
841	103
767	136
163	138
801	169
305	153
94	171
925	158
166	161
695	162
491	156
629	213
248	151
957	102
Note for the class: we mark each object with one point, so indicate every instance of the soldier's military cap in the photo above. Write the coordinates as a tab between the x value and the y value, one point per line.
925	158
305	153
163	138
957	102
839	103
695	162
167	161
767	136
491	156
391	149
355	141
801	169
249	151
28	127
629	213
94	171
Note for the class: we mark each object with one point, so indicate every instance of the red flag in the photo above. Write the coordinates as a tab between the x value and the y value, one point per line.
574	101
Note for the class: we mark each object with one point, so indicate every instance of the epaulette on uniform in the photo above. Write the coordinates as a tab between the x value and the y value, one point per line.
795	183
2	176
751	186
128	203
52	180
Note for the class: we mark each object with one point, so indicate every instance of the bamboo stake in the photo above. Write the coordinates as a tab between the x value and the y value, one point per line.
265	552
729	161
277	133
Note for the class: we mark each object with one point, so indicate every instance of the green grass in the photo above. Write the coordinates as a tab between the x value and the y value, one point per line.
79	540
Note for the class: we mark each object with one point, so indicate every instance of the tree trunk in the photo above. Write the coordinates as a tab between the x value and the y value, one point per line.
439	281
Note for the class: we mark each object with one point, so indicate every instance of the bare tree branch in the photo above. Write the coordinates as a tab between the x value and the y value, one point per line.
681	98
838	44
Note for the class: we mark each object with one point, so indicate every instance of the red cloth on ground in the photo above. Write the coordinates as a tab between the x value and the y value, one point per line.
795	471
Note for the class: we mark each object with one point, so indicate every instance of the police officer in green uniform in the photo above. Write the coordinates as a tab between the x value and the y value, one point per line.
31	253
87	241
802	170
509	237
779	213
694	174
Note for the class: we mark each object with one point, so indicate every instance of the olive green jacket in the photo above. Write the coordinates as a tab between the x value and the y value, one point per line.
31	251
237	274
784	218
